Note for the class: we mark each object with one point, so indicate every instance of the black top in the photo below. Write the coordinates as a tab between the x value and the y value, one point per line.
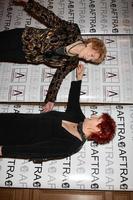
41	136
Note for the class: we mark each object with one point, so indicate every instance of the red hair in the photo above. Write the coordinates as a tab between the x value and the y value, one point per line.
107	130
99	46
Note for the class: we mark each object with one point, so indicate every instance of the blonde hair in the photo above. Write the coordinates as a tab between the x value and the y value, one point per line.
99	46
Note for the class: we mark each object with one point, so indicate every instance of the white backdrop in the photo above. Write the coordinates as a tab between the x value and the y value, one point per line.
93	17
110	82
107	167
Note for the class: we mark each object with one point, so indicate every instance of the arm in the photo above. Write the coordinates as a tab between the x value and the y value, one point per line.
55	84
42	14
73	104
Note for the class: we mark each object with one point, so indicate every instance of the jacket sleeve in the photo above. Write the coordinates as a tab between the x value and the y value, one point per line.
56	82
73	105
43	15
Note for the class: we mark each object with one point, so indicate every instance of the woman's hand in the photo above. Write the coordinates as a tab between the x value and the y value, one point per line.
48	106
80	72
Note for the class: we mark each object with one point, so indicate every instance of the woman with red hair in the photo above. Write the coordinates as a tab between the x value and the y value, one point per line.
54	134
106	129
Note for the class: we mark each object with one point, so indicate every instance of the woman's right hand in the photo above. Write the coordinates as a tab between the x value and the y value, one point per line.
80	72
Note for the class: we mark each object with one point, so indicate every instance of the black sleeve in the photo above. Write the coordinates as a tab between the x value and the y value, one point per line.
73	104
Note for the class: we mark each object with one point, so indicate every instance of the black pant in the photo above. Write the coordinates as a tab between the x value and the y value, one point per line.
11	46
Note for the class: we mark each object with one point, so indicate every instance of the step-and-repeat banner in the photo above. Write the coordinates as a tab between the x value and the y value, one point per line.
102	167
93	17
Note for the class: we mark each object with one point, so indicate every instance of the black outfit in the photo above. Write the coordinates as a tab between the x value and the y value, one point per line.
41	136
11	46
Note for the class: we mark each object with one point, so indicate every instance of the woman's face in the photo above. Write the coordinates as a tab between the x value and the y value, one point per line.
90	125
88	53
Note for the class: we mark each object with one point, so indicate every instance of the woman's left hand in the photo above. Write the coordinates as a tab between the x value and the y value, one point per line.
80	72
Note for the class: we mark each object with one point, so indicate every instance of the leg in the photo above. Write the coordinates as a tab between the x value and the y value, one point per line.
11	46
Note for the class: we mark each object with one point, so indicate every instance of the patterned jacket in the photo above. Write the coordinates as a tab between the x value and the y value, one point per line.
38	42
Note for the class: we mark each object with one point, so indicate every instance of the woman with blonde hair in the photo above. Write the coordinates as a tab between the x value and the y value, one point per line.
59	46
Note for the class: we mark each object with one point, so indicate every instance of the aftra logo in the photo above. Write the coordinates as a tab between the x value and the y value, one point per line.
16	92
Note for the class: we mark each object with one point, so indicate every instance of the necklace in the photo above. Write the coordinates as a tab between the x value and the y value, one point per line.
80	130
